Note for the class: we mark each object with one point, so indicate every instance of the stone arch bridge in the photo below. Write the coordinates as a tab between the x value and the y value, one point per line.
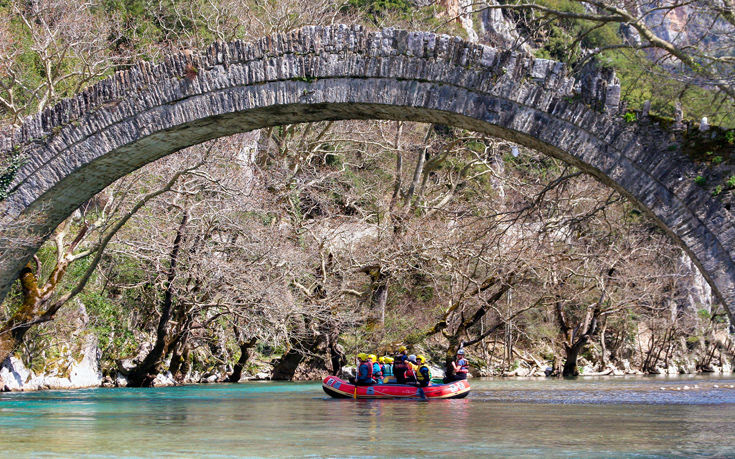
72	151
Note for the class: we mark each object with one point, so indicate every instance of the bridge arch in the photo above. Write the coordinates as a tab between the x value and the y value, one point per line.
75	149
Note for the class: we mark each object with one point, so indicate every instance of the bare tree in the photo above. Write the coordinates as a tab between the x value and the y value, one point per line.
69	45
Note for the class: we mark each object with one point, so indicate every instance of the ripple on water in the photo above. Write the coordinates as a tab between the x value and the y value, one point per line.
590	417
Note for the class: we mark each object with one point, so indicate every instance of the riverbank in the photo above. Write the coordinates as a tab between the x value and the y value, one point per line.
85	372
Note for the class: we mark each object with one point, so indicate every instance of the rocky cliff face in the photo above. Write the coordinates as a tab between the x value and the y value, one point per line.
488	25
496	29
697	292
461	11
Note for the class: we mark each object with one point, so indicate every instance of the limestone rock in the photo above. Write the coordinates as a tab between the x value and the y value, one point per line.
87	373
164	380
13	375
121	380
498	30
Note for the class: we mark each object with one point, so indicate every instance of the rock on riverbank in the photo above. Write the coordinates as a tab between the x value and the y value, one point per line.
70	373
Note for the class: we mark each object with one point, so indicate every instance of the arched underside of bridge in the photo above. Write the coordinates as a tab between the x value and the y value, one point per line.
76	149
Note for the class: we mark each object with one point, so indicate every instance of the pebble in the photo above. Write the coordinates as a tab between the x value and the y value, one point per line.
715	386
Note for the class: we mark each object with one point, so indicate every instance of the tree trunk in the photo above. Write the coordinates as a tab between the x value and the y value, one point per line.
143	374
337	356
15	328
245	347
570	364
286	366
179	365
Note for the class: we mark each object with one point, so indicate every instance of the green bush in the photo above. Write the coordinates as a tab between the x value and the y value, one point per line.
699	180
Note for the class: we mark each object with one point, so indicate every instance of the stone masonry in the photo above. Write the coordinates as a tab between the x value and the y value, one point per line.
75	149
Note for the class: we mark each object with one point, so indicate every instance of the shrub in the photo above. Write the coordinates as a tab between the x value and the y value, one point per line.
699	180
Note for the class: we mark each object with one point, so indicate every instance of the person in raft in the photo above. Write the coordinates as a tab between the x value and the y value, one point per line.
400	365
388	367
377	370
411	367
458	369
423	372
402	352
364	371
461	366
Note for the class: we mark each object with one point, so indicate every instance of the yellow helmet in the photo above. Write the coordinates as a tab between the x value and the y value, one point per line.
389	360
420	359
372	357
362	356
402	349
381	359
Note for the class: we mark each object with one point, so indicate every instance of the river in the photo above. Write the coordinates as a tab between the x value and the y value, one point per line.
611	416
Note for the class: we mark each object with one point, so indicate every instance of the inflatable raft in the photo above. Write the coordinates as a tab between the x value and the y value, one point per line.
339	388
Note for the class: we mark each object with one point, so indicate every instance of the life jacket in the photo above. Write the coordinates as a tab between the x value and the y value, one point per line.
399	370
464	366
423	375
377	372
410	372
388	369
365	372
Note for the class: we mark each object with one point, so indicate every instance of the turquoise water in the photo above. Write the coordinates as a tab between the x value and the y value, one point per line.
587	417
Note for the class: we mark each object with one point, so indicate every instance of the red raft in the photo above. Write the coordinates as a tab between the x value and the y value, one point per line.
339	388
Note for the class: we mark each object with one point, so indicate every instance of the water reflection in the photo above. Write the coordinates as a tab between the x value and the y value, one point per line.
614	416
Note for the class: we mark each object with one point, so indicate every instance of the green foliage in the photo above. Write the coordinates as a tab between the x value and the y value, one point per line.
730	137
704	314
8	168
110	323
630	117
699	180
717	160
731	181
378	9
717	190
642	80
333	160
558	38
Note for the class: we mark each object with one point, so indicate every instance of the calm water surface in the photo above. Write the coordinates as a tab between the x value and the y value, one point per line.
587	417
